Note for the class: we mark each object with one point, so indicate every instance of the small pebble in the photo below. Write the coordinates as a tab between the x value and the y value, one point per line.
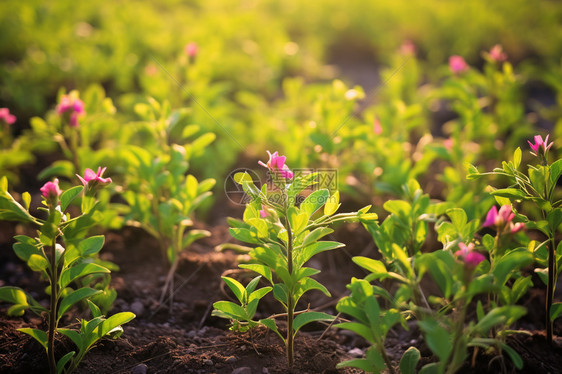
265	371
137	308
209	362
140	369
231	360
242	370
356	352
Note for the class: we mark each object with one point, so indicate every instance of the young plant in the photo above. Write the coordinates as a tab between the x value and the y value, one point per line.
537	186
460	274
161	195
285	236
63	259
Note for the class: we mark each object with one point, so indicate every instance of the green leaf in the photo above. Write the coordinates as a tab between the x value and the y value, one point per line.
39	335
315	235
432	368
332	204
501	315
513	355
437	338
61	168
81	270
280	293
308	317
15	296
359	363
96	312
517	158
510	193
194	235
297	220
555	171
237	288
270	324
376	267
409	361
74	297
232	310
67	196
554	219
305	254
108	326
244	235
25	250
260	269
359	329
511	262
91	245
314	201
488	242
26	198
37	262
555	311
63	361
73	335
458	218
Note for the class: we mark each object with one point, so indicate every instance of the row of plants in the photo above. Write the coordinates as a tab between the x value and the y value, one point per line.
163	163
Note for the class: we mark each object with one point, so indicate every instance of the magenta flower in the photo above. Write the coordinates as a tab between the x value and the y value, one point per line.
467	254
540	143
263	212
408	48
457	64
51	190
94	178
514	228
497	54
474	258
191	49
377	128
498	219
6	116
276	163
72	105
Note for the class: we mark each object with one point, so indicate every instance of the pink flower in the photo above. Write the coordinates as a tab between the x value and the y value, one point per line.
72	105
95	178
51	190
467	254
473	259
408	48
517	227
191	49
540	143
448	144
497	54
6	116
377	128
464	250
263	212
498	219
457	64
276	163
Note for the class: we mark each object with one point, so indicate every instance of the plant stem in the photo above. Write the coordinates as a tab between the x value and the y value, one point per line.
53	310
290	306
550	288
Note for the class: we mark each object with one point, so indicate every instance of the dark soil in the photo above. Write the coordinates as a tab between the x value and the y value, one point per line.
187	339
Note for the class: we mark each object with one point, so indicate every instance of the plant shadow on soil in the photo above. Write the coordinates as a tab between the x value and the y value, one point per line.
189	340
